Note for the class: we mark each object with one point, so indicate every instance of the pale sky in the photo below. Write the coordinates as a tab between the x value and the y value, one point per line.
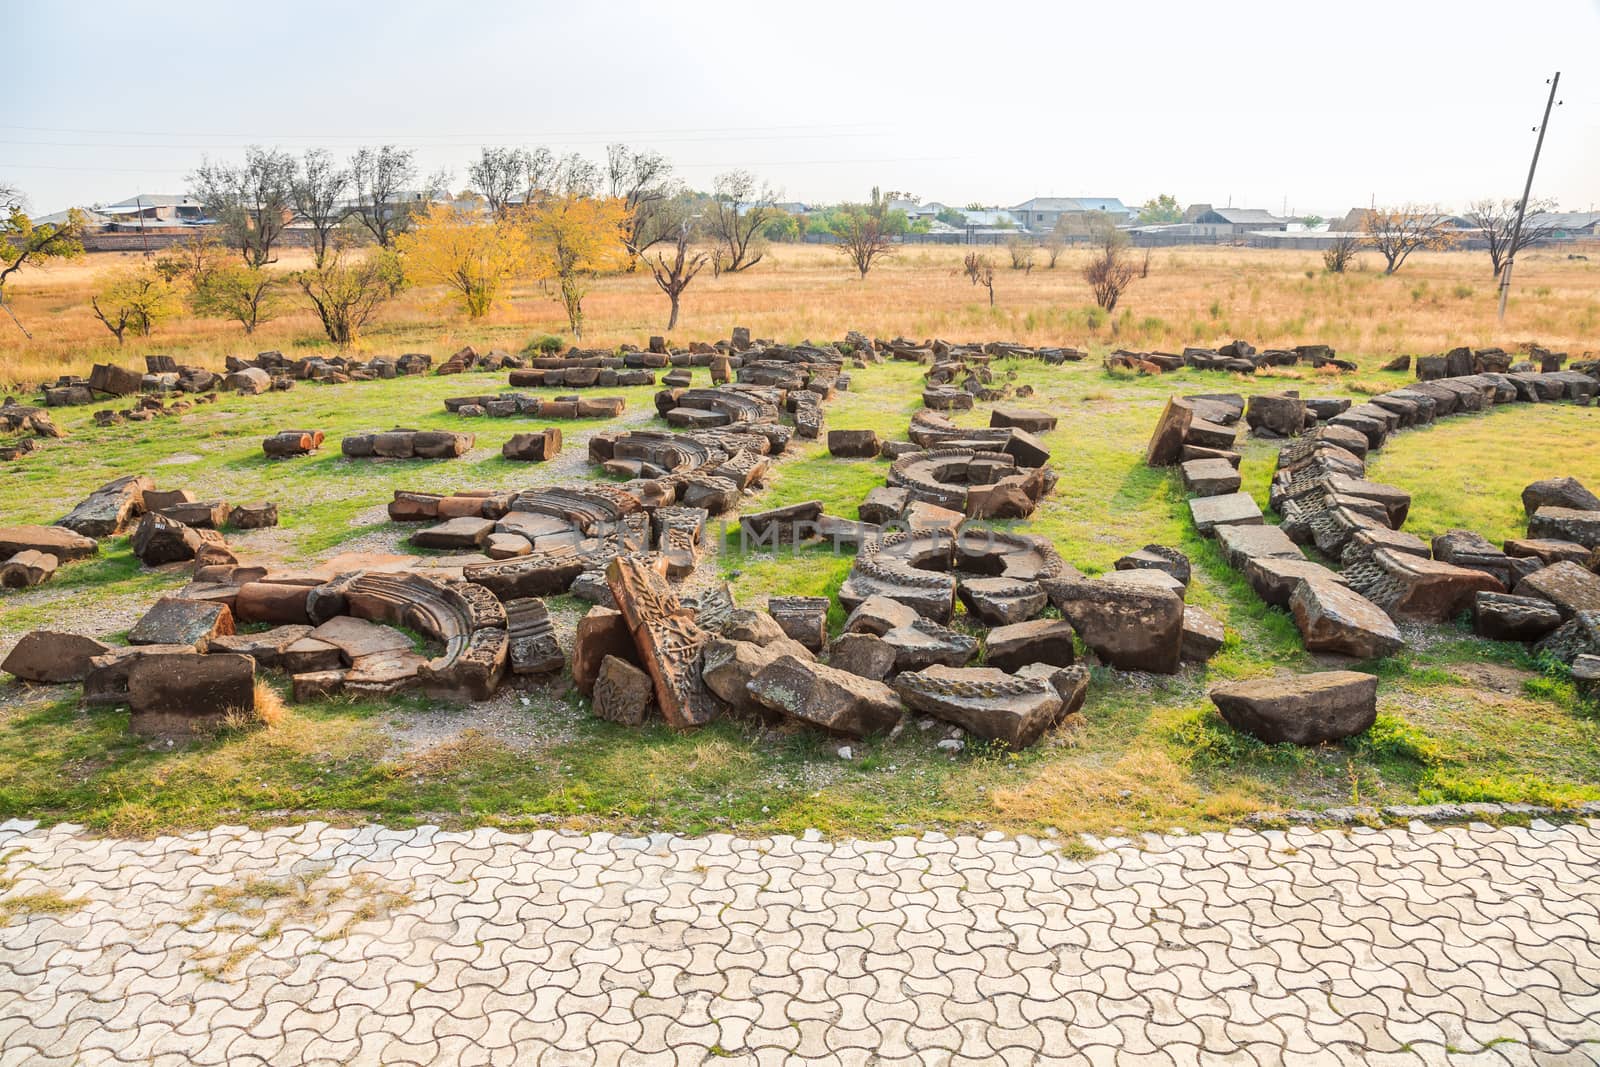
1311	107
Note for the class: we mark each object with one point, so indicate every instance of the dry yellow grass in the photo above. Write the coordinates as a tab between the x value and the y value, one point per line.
1192	295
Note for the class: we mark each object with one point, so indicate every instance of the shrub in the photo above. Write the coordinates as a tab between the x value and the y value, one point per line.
547	345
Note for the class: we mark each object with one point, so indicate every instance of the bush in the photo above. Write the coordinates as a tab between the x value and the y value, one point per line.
547	345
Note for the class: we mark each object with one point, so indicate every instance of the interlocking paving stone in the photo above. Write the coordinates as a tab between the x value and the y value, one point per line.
1463	944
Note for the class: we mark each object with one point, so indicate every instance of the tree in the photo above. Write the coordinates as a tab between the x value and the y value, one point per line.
500	174
1396	232
1111	270
674	277
573	237
382	177
320	191
1054	245
191	259
252	202
739	209
1311	222
22	242
134	300
864	231
1021	251
952	216
1338	256
471	257
782	227
642	180
247	295
346	291
1160	209
1496	219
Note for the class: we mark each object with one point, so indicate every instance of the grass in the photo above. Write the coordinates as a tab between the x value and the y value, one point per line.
1461	718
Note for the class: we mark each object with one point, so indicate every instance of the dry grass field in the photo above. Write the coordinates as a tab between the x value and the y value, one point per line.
1192	295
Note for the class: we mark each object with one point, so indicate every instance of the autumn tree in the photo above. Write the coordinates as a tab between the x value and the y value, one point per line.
1160	209
642	180
1396	232
320	191
500	174
249	296
136	300
1021	251
189	260
865	232
1110	269
572	238
1497	219
674	275
347	290
252	202
739	209
382	178
22	242
473	258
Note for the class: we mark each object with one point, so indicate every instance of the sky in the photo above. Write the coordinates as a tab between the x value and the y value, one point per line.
1305	108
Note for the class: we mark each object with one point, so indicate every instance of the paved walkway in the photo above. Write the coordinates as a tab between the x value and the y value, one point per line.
313	944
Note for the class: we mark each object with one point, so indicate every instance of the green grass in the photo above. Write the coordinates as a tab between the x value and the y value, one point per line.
1460	718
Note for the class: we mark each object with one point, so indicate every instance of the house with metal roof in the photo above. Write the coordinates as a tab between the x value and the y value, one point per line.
1041	214
1231	221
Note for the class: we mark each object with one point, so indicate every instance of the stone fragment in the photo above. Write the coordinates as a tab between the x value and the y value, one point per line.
1128	624
1334	618
1210	477
49	656
1158	558
459	533
356	638
1411	587
1546	551
1203	636
272	602
1566	524
1569	586
65	545
1210	512
863	654
158	540
110	508
1022	418
1241	544
533	447
1166	443
259	516
309	655
668	640
883	505
177	621
1559	493
1001	601
1049	641
923	642
601	633
1307	709
27	569
623	693
1503	617
1275	578
106	684
835	700
803	618
534	649
853	444
984	701
264	646
184	691
1278	416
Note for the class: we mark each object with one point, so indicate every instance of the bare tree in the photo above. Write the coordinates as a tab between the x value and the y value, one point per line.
972	265
1399	231
382	177
864	231
1021	251
576	175
539	168
643	182
675	275
1111	270
1338	256
1497	219
1054	245
981	269
739	209
500	174
320	191
252	202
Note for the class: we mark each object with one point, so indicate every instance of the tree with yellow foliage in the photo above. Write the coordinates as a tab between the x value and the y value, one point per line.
573	238
471	256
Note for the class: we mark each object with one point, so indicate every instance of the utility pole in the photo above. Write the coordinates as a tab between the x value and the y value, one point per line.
1527	191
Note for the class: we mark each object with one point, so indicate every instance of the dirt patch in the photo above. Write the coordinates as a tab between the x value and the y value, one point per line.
1493	677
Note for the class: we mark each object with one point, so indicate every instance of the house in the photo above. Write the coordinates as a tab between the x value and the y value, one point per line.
1567	225
154	213
1042	213
1211	221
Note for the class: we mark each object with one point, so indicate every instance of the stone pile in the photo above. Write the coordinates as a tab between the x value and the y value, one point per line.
507	405
148	407
1375	574
470	359
20	424
273	371
937	351
406	444
1236	357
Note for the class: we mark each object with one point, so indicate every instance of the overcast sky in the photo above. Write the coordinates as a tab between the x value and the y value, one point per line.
1313	108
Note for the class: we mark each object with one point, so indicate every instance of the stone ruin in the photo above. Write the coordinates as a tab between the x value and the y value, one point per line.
1235	357
20	424
1542	588
270	371
406	444
470	359
939	352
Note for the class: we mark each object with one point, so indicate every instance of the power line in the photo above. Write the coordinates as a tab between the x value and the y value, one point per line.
501	135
